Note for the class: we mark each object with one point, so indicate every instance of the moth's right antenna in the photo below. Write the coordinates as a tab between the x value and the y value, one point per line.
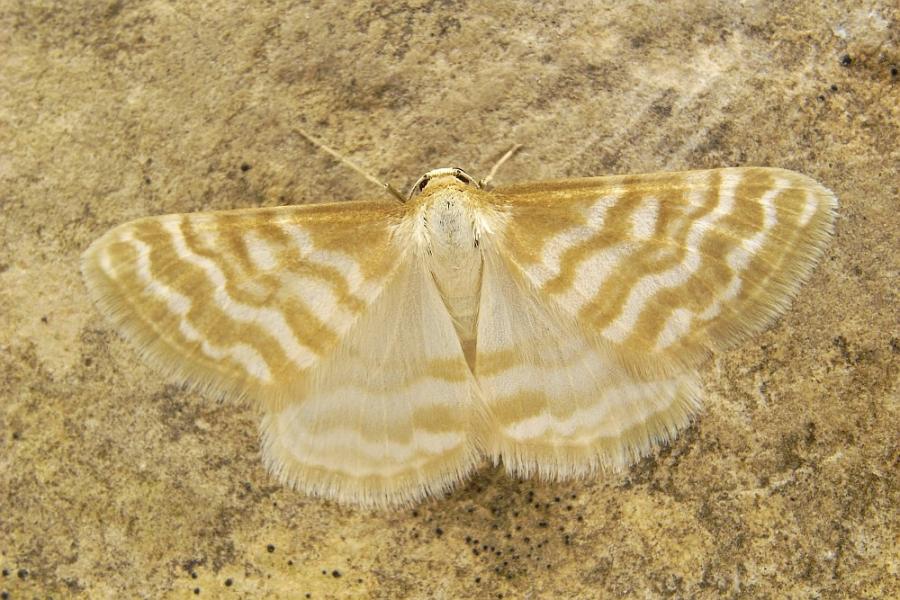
322	145
496	167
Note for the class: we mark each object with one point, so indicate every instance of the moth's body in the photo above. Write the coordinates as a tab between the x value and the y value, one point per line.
447	219
554	327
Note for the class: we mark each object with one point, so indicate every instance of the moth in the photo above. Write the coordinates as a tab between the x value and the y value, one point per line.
553	327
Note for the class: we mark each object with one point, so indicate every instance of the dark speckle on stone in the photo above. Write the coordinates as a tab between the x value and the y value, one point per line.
23	574
846	61
439	532
4	595
6	572
228	582
270	548
335	573
245	167
894	71
196	591
834	87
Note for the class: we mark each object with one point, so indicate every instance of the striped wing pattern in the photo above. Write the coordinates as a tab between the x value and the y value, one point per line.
242	303
274	305
613	289
667	267
391	413
561	404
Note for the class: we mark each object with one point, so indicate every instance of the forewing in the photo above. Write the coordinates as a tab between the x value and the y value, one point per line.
667	267
243	303
559	401
390	416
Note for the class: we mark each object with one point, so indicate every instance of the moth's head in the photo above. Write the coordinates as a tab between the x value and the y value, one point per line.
442	178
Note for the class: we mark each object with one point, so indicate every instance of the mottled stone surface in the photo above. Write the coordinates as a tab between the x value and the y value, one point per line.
113	483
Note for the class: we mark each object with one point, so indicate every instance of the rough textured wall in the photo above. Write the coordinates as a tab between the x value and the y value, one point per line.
113	483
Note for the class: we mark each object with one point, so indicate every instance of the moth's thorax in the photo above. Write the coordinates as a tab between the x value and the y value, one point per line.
448	220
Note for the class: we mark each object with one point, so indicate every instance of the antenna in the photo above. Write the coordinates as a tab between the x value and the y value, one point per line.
323	146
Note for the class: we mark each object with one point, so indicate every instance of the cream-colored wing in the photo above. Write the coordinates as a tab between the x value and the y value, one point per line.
243	304
668	267
391	415
560	401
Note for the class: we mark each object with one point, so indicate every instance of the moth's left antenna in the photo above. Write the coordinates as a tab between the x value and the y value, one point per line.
317	142
490	176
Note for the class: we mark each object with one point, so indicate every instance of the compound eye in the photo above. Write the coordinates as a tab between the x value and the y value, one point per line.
419	186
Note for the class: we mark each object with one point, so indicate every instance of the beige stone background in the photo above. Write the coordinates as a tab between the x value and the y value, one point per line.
114	484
